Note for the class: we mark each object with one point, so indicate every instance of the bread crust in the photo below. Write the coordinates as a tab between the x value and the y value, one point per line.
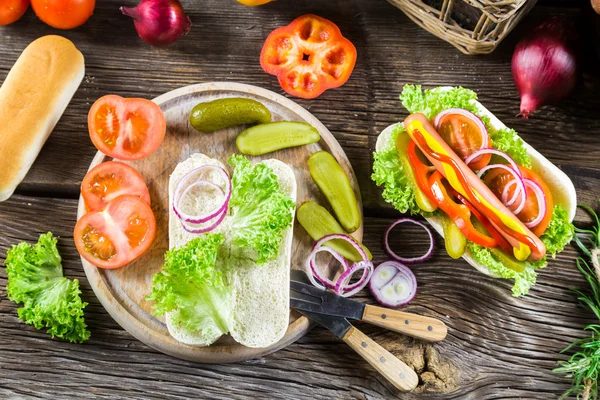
33	97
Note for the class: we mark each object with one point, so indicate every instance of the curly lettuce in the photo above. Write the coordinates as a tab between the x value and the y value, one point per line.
389	172
191	288
51	301
260	210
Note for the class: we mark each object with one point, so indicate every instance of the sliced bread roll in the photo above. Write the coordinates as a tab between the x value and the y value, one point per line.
563	191
260	299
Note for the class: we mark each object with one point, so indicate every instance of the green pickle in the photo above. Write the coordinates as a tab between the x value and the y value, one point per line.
454	240
266	138
333	182
318	222
224	113
402	149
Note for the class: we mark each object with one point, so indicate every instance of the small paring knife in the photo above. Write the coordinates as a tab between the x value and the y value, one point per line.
306	297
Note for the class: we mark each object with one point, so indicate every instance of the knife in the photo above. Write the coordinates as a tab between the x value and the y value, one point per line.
306	297
393	369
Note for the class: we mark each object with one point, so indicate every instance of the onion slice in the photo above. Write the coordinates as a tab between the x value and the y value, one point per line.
411	260
437	121
495	152
203	228
196	176
541	199
517	178
313	270
342	236
393	284
342	286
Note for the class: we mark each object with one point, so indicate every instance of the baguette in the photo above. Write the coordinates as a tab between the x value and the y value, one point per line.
33	97
561	187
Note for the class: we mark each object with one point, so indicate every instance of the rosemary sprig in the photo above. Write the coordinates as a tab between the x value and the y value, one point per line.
583	367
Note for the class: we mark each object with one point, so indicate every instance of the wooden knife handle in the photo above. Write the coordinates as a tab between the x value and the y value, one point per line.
417	326
394	370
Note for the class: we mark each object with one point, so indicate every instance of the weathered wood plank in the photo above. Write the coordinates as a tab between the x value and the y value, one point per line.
496	343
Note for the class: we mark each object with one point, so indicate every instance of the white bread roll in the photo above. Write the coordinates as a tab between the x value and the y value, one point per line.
33	97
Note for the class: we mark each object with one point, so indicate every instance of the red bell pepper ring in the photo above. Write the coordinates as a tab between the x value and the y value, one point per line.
460	213
503	243
309	56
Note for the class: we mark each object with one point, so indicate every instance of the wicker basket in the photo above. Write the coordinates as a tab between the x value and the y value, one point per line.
472	26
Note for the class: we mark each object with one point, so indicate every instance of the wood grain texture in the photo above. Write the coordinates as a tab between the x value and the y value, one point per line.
123	291
497	347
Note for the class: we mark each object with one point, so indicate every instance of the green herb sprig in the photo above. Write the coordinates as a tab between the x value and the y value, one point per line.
583	367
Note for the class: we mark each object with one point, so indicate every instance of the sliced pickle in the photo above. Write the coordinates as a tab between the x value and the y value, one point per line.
318	222
420	198
508	261
454	240
266	138
224	113
333	182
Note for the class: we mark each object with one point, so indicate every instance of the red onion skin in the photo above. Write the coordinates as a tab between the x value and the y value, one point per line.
159	22
544	65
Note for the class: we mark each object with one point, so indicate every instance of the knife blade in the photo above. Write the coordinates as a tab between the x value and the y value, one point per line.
337	325
306	297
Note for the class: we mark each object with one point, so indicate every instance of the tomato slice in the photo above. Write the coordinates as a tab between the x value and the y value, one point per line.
110	180
127	129
309	56
464	135
118	234
497	179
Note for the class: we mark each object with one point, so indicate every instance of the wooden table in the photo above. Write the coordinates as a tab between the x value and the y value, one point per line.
498	346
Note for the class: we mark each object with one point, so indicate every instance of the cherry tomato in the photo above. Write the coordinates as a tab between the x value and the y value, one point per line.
12	10
63	14
464	137
110	180
118	234
127	129
497	180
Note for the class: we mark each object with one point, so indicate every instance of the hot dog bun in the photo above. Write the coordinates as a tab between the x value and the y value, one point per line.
561	187
33	97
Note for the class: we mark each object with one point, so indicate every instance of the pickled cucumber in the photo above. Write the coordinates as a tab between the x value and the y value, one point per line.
333	182
225	113
266	138
454	240
420	198
508	261
318	222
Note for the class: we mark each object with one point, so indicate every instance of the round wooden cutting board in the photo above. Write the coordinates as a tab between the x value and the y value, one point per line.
123	291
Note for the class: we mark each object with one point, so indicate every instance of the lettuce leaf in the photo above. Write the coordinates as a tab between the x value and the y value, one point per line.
192	288
431	102
508	141
523	280
35	279
559	232
260	210
389	172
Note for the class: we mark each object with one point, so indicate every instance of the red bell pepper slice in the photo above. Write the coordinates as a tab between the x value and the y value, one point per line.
460	213
420	170
309	56
502	242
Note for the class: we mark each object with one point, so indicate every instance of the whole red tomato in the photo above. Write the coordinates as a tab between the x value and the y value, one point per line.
12	10
63	14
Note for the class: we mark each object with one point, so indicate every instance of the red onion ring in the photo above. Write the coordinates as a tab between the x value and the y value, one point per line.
189	227
541	198
404	274
181	189
342	236
314	272
496	152
472	117
411	260
342	287
518	179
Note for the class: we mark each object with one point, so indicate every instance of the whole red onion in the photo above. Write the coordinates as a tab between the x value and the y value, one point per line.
159	22
544	65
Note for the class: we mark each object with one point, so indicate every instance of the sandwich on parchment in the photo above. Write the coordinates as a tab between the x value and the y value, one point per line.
242	284
456	164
